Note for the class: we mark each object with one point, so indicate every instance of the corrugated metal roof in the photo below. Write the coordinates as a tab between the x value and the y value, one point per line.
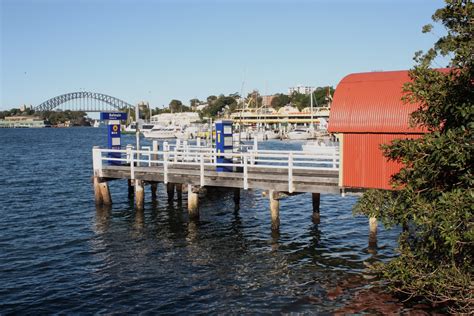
371	103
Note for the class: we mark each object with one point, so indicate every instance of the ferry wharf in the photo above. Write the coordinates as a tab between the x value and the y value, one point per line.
194	167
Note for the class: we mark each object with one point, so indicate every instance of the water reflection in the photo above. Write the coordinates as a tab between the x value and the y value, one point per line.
232	251
102	218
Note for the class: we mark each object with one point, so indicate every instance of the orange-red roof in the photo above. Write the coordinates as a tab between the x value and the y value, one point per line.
371	103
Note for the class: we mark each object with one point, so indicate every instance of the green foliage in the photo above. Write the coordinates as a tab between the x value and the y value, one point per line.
219	105
280	100
178	106
58	117
434	200
253	99
16	112
194	102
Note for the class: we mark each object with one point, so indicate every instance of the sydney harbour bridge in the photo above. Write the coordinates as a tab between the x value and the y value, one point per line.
84	101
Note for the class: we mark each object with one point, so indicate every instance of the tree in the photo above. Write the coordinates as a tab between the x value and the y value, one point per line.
177	106
253	99
193	103
219	105
322	95
210	99
280	100
434	200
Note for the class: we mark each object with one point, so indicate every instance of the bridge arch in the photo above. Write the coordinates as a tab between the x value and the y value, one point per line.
103	102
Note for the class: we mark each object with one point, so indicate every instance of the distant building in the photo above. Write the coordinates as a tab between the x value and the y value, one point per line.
180	118
301	89
202	106
267	99
25	107
23	122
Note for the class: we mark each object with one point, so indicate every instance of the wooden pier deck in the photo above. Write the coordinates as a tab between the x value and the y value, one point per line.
314	181
279	173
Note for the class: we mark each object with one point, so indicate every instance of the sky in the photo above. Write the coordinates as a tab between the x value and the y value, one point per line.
157	50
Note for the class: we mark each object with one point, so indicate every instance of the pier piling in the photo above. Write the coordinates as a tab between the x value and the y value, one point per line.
105	193
153	188
179	191
139	195
316	205
97	193
237	198
274	209
170	190
130	189
372	232
193	201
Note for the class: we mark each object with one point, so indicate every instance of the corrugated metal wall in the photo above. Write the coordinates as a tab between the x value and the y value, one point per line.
364	164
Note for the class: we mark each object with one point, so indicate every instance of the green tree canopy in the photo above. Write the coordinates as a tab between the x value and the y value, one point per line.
219	105
280	100
435	196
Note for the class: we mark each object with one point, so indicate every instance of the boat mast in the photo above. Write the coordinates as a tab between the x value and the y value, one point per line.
311	109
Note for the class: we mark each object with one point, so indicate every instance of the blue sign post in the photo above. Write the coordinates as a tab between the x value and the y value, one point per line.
224	144
113	128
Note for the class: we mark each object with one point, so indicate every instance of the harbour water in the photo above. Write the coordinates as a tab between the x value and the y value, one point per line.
61	254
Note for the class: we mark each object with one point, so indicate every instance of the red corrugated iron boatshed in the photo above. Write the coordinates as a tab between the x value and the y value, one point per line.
367	110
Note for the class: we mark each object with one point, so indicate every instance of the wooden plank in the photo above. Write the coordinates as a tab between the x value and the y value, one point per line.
263	181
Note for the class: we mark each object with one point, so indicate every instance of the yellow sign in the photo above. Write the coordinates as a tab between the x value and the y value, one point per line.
115	128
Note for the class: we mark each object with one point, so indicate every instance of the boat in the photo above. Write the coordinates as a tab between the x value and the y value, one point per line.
300	134
132	128
96	123
266	135
272	134
322	145
161	132
188	132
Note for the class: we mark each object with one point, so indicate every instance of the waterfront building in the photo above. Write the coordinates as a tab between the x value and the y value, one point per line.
267	99
284	115
180	118
23	122
301	89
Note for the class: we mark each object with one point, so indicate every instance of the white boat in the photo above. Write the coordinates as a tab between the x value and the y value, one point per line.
272	134
132	128
300	134
96	123
266	135
188	132
161	132
129	129
324	146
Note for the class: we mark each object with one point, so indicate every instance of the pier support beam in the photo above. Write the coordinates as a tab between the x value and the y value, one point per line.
130	189
372	232
139	195
316	204
105	193
153	188
179	191
193	201
274	209
237	198
97	193
170	190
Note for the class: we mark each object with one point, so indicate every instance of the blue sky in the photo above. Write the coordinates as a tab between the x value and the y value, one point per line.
160	50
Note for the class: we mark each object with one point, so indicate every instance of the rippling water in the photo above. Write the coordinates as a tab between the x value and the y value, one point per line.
58	253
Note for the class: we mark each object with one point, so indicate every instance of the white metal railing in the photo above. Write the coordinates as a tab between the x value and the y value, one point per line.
176	156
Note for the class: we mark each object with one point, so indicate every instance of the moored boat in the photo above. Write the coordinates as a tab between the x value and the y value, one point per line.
300	134
161	132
